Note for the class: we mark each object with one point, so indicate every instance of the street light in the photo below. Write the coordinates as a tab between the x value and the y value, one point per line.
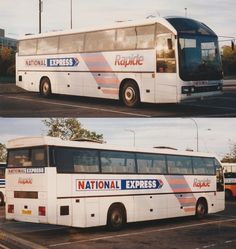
196	129
71	14
40	14
133	131
185	9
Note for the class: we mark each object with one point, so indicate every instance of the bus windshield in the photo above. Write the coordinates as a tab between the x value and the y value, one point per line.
199	58
27	157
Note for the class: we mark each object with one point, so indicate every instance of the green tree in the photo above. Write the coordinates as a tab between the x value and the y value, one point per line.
7	62
3	153
70	129
231	156
229	60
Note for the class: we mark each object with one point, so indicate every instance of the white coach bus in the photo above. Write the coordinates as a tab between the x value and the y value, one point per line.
85	184
164	60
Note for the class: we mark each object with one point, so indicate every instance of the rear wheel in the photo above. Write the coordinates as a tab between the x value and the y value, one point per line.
116	218
201	209
130	94
45	87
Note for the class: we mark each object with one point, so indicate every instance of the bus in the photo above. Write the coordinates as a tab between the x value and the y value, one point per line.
158	60
86	184
2	183
230	180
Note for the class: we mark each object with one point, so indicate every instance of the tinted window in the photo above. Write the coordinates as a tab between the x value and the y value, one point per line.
179	165
34	157
27	47
150	163
100	40
203	166
126	38
69	160
71	43
2	173
145	36
86	161
48	45
117	162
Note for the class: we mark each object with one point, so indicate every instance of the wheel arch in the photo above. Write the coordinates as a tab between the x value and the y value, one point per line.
123	83
115	205
204	200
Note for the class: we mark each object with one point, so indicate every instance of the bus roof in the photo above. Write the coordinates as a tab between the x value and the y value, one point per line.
118	24
25	142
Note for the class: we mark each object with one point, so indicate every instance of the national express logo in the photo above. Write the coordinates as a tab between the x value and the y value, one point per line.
126	184
53	62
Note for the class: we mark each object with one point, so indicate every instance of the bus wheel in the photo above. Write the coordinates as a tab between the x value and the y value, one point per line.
130	94
45	87
116	217
1	199
201	209
228	194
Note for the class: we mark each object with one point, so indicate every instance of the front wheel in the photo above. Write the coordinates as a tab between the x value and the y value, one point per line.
130	94
45	87
116	218
201	209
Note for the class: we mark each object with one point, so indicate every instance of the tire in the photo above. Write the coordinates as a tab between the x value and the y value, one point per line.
130	95
116	218
228	194
1	199
201	209
45	87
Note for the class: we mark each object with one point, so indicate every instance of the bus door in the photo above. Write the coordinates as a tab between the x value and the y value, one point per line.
166	79
220	186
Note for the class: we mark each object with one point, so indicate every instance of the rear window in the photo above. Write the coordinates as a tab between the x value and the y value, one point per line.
27	157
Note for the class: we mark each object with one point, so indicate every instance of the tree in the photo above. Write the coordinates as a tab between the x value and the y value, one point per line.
3	153
230	157
70	129
7	62
229	60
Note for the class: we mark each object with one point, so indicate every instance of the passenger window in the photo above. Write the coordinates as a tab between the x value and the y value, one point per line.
203	166
27	47
166	62
126	38
117	162
145	36
151	163
71	43
48	45
179	165
86	161
100	41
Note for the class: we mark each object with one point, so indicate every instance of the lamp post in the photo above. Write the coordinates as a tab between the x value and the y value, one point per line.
71	14
133	131
185	10
40	15
196	129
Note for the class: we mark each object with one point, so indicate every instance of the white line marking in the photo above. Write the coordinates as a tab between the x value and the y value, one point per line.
76	106
140	233
208	246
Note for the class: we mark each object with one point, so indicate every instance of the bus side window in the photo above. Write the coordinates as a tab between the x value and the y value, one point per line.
166	62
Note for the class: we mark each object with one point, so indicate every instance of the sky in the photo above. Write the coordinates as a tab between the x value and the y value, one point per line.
215	135
19	17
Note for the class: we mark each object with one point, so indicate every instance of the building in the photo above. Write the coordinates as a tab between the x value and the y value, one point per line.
7	42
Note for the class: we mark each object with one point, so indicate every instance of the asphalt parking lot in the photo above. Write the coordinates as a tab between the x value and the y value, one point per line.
16	103
217	231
